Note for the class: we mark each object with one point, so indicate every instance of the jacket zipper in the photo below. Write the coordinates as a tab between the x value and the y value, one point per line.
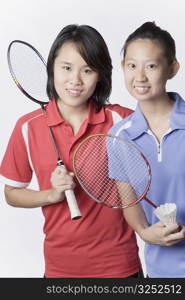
159	145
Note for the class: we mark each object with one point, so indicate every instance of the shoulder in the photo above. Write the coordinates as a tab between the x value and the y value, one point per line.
29	117
121	126
121	110
179	100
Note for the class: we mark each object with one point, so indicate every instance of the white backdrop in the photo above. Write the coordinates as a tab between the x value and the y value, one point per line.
38	22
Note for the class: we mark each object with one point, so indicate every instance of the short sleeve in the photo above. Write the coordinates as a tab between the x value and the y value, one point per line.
15	169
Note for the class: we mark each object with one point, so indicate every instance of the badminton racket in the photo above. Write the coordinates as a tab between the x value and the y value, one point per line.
112	171
28	70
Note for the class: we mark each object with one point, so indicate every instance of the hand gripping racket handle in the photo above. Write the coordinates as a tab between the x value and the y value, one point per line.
71	199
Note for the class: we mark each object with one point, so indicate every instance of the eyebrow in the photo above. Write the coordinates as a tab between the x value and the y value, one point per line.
147	60
68	63
65	62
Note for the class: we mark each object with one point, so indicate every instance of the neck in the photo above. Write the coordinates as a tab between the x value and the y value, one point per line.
157	115
75	116
70	112
157	107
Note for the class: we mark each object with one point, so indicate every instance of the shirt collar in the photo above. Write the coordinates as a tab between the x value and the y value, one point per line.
139	124
53	117
95	117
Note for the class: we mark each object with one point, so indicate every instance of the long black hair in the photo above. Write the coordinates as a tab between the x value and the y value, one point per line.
94	51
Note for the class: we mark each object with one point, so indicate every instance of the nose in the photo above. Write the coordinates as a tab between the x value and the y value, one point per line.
141	75
75	78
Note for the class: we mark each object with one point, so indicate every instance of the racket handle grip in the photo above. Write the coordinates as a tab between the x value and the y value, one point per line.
71	199
73	206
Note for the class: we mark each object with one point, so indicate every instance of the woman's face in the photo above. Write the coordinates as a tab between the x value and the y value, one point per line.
146	70
74	80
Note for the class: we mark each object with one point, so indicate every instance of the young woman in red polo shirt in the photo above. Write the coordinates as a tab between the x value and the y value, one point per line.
100	243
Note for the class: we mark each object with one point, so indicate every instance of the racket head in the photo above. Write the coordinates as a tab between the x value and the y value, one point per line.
28	70
111	170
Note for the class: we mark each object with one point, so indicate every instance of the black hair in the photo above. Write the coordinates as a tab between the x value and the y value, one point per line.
151	31
94	51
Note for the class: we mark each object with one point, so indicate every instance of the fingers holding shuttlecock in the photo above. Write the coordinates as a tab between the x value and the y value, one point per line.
166	213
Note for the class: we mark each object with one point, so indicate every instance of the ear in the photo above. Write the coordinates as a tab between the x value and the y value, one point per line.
173	69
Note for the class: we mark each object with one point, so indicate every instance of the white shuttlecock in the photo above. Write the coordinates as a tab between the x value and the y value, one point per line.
166	213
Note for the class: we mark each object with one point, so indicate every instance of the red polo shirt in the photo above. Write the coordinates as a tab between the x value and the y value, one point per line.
100	244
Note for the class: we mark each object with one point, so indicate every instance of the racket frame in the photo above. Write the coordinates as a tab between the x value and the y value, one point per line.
42	103
142	197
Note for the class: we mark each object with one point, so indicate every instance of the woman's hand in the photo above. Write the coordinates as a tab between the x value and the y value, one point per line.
161	234
61	180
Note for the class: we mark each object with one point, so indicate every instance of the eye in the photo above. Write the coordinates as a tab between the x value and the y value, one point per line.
152	66
87	71
131	66
67	68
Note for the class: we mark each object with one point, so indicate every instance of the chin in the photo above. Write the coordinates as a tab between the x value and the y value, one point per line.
141	97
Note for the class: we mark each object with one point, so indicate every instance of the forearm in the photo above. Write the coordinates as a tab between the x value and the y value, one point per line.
136	218
157	233
27	198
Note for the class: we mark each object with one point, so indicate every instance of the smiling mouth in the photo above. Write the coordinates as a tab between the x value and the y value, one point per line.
141	89
73	92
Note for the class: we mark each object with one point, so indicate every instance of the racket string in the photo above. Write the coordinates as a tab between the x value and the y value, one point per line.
26	64
111	171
